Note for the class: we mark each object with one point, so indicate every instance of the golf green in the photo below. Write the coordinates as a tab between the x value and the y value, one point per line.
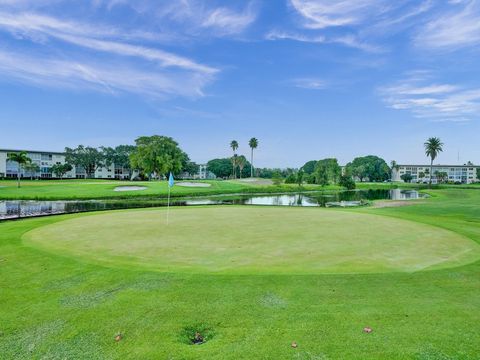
255	240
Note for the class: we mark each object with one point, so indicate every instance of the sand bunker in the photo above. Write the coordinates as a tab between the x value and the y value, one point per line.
129	188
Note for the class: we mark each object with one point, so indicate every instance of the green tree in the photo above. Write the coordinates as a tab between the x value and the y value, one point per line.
120	156
347	182
406	177
326	171
441	176
300	175
88	158
309	167
21	159
371	167
277	177
31	168
234	147
421	175
222	168
61	169
253	143
241	162
157	155
433	146
291	179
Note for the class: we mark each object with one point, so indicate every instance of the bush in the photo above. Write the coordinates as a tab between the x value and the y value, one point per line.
291	179
347	182
277	178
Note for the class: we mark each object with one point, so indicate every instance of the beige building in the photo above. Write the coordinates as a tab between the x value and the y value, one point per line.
464	174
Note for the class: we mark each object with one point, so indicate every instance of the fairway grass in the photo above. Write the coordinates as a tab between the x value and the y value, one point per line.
255	240
60	305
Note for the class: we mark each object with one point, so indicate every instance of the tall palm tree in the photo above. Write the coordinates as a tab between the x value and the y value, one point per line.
253	143
234	146
433	146
21	159
241	162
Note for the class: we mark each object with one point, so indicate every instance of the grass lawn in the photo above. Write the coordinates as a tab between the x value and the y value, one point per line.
66	297
104	189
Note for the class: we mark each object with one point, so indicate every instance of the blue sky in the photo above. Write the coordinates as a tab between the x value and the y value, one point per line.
309	78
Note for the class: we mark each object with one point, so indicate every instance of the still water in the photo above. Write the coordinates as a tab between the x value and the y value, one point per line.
11	209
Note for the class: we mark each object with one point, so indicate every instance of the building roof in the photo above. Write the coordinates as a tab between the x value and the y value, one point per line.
440	165
33	151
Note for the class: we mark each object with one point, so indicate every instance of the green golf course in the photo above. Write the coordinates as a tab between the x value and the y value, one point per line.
252	280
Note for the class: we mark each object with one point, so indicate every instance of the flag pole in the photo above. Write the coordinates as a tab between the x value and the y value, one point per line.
168	205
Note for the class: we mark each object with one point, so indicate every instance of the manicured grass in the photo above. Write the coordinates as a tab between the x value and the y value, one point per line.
104	189
255	240
60	306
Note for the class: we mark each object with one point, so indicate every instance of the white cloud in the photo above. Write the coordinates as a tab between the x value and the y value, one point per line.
321	14
346	40
226	21
439	102
154	71
109	78
456	28
309	83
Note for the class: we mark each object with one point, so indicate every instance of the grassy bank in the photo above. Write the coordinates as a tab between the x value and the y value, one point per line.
104	189
63	306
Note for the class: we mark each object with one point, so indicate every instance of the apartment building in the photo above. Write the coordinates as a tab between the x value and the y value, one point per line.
46	159
464	174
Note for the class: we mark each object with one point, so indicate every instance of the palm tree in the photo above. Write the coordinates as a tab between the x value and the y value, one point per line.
253	143
233	159
433	146
20	158
241	162
234	146
31	168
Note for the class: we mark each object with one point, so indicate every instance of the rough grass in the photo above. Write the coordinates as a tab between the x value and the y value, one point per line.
420	315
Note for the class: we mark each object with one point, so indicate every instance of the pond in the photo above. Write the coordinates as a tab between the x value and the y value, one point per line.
11	209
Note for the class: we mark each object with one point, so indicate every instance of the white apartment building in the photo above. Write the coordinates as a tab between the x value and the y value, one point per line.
464	174
46	159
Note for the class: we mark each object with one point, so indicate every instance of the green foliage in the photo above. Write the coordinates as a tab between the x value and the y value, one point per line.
31	168
277	177
157	155
407	177
369	167
433	146
21	159
87	158
478	174
326	171
120	155
309	167
291	179
61	169
222	168
442	176
253	143
300	176
347	182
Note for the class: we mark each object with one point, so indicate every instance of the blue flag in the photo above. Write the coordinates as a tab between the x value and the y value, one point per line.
170	180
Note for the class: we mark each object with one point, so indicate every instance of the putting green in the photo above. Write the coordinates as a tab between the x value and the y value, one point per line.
255	240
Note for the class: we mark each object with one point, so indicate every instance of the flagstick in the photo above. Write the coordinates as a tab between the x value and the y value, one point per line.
168	205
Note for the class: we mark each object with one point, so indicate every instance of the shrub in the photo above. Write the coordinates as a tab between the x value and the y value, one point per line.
347	182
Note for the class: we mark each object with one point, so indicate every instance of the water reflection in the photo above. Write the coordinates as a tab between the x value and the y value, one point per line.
22	208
